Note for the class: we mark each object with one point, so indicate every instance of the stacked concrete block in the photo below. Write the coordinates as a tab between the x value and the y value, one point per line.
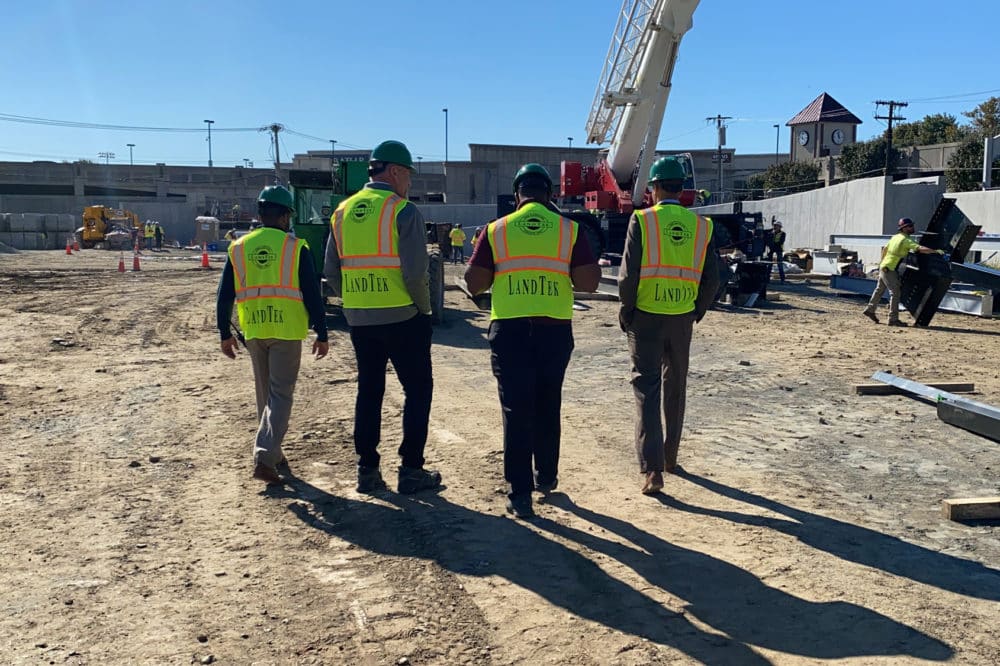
4	222
36	231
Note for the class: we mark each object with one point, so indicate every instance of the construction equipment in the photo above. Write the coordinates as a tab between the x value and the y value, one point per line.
628	112
110	228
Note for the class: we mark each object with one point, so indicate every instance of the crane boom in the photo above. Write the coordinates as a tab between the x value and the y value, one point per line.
635	85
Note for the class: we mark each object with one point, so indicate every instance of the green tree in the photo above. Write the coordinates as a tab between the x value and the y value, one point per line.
965	167
790	176
865	158
933	129
985	118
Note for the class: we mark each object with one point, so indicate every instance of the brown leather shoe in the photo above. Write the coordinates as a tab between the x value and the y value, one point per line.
267	474
653	483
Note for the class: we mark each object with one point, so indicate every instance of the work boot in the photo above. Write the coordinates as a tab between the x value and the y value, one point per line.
267	474
520	506
414	479
870	315
896	322
653	483
370	480
546	487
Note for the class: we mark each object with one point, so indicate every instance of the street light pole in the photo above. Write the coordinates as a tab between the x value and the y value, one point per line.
333	149
777	136
419	158
130	147
570	139
445	154
209	123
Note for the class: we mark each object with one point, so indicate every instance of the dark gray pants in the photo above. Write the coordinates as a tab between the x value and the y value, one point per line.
887	279
275	370
660	346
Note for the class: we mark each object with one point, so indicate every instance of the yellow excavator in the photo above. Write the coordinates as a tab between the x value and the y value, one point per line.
110	228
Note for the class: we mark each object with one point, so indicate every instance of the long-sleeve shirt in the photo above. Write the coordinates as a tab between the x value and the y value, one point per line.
312	298
413	263
628	272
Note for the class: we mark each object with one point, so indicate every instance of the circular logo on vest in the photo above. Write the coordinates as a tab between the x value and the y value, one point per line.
533	225
361	211
677	234
262	257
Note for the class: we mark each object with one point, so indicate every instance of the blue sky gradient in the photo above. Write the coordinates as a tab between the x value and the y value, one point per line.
520	72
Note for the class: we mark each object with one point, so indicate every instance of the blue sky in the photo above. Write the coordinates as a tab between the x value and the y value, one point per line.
518	72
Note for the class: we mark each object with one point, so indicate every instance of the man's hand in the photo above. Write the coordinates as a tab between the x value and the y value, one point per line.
229	347
320	349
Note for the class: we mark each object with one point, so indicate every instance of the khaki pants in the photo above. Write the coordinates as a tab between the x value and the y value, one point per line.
275	370
887	279
660	346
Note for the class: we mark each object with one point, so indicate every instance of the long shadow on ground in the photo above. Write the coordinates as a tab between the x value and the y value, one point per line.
737	603
853	543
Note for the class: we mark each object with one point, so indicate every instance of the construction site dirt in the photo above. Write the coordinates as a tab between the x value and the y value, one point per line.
804	526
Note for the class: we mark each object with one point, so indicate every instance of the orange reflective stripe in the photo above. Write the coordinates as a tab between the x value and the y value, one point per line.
240	265
385	218
370	261
565	238
700	241
532	263
338	230
286	260
251	293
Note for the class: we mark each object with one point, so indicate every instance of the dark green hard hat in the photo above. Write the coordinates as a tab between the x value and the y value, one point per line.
394	152
666	168
532	169
276	194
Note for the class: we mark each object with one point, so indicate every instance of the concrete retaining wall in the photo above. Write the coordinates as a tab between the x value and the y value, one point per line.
983	208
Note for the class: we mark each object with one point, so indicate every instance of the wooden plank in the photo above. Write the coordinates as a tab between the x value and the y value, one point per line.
889	389
974	508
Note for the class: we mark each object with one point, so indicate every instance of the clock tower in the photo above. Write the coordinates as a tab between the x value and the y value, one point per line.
822	129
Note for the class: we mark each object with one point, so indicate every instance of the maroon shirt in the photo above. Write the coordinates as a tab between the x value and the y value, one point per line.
482	256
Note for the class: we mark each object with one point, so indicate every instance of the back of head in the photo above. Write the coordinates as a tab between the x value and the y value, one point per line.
273	202
532	181
387	153
668	174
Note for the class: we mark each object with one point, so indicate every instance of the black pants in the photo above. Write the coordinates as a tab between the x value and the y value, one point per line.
529	361
408	345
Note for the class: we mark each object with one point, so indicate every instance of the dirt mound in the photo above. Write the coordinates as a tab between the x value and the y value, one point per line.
7	249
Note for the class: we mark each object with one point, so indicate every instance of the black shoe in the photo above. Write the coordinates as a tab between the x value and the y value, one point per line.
414	479
546	487
520	506
870	315
896	322
370	480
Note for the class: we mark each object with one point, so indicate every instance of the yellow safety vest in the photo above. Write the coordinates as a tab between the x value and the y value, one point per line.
532	248
149	233
268	298
674	244
364	228
457	236
899	246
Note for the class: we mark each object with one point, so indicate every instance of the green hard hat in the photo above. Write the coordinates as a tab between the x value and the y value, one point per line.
394	152
276	194
666	168
532	169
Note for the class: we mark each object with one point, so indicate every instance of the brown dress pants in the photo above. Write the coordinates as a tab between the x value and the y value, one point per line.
660	346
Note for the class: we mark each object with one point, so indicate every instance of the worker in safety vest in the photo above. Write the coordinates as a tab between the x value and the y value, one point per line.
457	236
376	260
149	232
666	283
899	246
271	276
703	197
533	259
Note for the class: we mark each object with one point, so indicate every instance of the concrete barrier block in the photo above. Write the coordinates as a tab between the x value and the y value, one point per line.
31	241
67	223
7	238
4	222
51	241
30	222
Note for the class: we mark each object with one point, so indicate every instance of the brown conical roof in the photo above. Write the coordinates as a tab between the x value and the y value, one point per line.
824	109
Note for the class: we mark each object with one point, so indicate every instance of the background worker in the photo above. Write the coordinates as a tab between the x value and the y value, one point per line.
148	233
270	275
158	235
533	258
899	246
666	283
457	237
776	245
376	260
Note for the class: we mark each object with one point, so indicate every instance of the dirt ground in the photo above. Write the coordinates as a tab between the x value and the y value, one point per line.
804	527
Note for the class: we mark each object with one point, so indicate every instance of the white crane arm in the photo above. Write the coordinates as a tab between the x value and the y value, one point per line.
635	84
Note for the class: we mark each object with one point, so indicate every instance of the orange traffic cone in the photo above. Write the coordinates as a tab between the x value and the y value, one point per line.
135	262
204	256
121	262
76	245
69	246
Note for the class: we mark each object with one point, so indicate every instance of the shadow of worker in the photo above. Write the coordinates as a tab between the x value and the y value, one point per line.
470	543
854	543
740	605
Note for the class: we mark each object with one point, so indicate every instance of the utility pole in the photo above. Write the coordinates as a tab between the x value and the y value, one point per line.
107	157
209	123
721	129
275	128
893	105
130	147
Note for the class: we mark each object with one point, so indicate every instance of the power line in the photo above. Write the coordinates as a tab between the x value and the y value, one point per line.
954	97
30	120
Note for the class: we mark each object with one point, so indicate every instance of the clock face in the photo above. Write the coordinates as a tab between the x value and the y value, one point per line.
803	138
838	136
